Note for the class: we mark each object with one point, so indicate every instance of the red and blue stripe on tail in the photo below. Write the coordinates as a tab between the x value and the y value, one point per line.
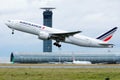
108	35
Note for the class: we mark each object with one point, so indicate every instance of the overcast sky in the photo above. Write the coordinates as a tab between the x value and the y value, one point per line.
92	17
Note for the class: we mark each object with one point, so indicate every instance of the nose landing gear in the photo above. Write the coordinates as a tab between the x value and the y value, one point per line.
12	31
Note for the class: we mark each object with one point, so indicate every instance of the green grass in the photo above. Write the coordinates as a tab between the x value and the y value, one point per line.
59	74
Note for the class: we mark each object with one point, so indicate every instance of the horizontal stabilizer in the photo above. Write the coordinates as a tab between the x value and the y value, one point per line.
107	45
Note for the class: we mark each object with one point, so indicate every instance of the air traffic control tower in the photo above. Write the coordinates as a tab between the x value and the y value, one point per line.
47	21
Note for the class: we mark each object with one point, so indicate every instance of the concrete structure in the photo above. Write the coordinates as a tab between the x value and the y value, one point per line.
64	57
47	21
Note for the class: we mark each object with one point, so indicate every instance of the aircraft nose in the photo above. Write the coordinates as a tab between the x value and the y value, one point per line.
7	23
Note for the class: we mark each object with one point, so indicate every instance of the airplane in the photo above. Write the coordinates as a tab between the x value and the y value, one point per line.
48	33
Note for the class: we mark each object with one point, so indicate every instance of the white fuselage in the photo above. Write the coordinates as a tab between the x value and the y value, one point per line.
35	29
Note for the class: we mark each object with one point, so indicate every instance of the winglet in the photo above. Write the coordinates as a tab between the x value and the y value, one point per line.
108	35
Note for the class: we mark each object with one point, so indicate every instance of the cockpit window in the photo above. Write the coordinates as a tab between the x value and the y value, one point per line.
9	21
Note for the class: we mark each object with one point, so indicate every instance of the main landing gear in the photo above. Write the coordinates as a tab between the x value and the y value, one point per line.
57	44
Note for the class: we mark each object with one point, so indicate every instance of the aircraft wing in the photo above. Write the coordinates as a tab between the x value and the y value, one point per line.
66	34
62	36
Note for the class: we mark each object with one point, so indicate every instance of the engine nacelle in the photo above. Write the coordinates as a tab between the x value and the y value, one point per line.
44	35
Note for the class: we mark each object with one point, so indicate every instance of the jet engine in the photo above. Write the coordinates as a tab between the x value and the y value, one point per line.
44	35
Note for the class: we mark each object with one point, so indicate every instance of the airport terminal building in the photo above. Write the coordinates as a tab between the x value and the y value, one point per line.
63	57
